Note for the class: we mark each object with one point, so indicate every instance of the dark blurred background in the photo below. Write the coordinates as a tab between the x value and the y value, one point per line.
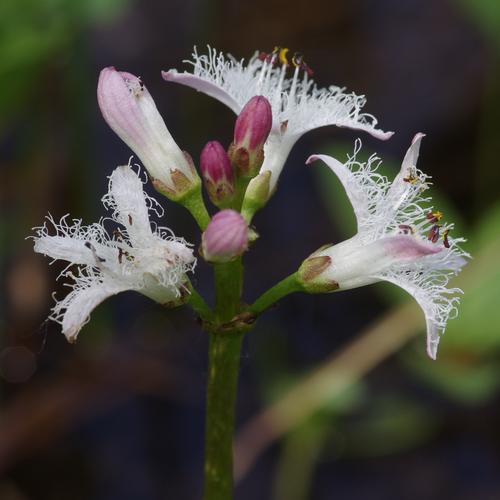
119	415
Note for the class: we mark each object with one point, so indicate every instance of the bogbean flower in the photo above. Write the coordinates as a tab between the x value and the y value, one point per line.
129	109
298	105
400	239
136	256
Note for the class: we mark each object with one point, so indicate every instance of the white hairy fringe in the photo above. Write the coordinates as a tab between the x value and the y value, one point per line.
137	255
297	100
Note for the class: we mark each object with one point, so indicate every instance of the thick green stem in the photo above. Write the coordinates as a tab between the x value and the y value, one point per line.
223	370
224	360
228	283
284	287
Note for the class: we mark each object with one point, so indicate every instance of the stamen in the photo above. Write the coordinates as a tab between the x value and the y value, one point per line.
412	177
298	62
406	229
91	247
433	234
129	219
297	59
434	216
118	235
121	253
282	56
446	242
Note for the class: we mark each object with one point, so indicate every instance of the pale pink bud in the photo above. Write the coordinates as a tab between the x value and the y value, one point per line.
225	238
130	111
251	131
217	173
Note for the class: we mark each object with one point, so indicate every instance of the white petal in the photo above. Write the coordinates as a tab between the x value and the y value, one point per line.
401	189
202	85
355	264
74	310
126	196
64	248
428	307
411	156
437	302
350	183
74	243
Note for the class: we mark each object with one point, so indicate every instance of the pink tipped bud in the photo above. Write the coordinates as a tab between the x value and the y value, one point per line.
251	131
225	238
130	111
217	173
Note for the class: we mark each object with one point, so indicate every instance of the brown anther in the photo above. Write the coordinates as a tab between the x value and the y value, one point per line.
446	242
94	253
307	69
117	234
405	229
129	219
433	234
283	126
412	177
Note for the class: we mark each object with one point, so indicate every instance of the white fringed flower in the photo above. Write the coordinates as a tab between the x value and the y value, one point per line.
399	240
298	105
136	256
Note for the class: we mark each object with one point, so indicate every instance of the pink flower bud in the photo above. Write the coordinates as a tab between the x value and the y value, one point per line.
217	173
253	123
130	111
251	131
225	238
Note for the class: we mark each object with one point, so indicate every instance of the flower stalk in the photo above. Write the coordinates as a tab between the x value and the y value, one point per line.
223	371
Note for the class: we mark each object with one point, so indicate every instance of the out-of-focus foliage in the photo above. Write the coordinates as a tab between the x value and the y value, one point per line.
35	36
487	15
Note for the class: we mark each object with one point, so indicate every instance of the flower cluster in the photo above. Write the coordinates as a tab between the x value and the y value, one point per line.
399	239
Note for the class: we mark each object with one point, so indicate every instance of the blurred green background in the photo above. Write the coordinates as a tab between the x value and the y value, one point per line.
337	397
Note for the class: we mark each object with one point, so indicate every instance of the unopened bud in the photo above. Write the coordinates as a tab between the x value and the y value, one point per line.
251	131
217	173
225	238
130	111
256	195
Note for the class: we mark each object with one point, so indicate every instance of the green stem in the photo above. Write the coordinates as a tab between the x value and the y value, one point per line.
223	370
240	189
197	302
193	201
228	284
284	287
224	360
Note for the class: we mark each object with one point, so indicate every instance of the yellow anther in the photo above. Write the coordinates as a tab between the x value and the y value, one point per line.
297	59
438	215
282	56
